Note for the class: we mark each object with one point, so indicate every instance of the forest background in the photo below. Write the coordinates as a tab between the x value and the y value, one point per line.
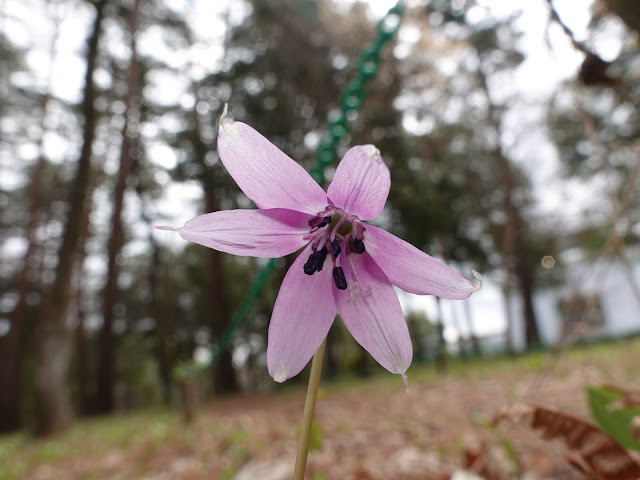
108	119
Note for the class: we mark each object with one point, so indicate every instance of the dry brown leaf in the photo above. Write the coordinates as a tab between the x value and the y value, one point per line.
592	451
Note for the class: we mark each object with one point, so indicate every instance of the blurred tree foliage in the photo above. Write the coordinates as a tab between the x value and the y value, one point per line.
595	125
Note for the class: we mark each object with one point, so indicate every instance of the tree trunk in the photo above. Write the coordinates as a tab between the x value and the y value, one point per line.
52	339
161	353
189	395
525	279
475	344
83	371
517	253
12	349
514	248
441	349
13	345
106	345
224	375
85	404
441	249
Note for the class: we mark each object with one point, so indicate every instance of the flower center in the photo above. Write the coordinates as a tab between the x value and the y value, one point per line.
336	231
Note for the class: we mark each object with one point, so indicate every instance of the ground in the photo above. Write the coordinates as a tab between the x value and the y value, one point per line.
365	429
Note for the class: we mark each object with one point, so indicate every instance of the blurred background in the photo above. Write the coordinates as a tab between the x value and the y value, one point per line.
512	131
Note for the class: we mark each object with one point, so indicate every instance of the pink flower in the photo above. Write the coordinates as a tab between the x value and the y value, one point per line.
347	266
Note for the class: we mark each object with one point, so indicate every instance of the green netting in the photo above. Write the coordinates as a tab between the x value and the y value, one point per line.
352	99
355	92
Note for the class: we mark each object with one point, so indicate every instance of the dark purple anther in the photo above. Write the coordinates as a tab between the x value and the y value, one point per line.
315	262
336	247
310	267
358	245
323	255
338	278
325	221
317	222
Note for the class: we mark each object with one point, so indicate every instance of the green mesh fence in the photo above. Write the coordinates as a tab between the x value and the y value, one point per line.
352	100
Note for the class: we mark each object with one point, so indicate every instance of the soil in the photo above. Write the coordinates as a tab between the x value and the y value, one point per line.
439	429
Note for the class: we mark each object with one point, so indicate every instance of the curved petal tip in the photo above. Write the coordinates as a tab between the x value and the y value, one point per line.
373	152
224	113
479	278
281	374
361	183
227	127
473	288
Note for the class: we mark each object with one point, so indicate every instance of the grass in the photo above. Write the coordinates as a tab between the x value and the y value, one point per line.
147	429
144	436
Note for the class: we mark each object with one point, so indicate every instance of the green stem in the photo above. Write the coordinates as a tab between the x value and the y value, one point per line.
307	416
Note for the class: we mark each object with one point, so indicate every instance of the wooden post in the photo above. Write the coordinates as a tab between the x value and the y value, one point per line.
189	395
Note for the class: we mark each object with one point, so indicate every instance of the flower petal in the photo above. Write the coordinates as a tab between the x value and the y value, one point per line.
302	316
264	173
371	311
361	183
413	270
257	233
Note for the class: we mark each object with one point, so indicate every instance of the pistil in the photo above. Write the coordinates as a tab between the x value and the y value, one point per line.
335	229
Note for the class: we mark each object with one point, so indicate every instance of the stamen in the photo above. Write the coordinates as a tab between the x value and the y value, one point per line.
310	267
336	247
358	245
323	255
318	222
325	221
339	278
315	261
